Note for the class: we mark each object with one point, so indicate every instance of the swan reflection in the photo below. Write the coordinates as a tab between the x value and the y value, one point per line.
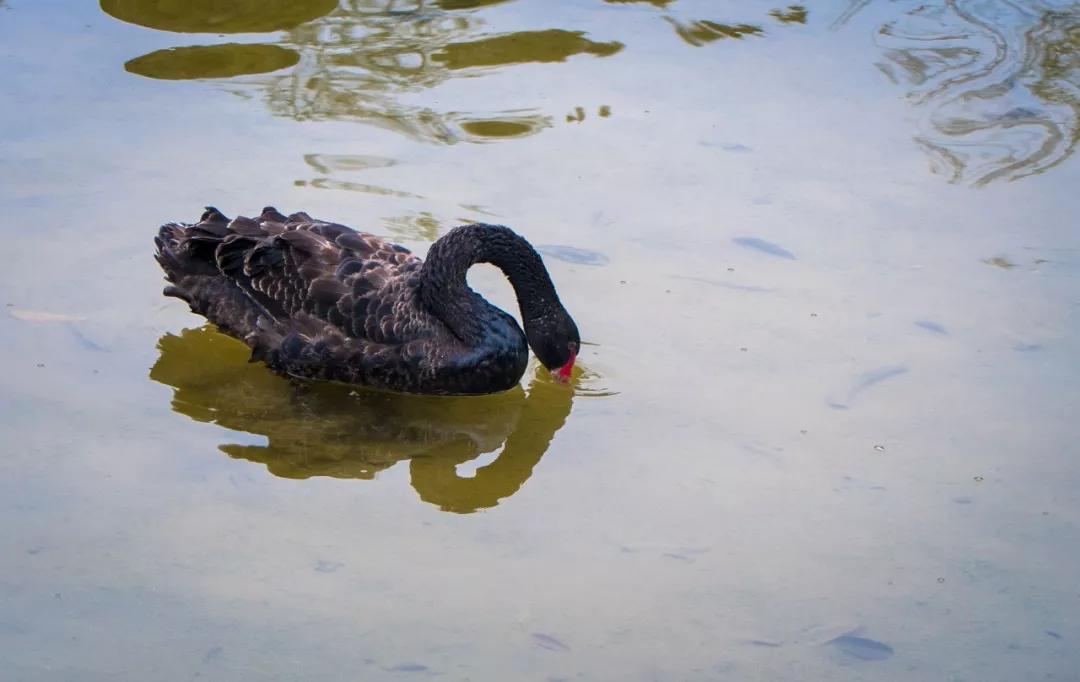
336	430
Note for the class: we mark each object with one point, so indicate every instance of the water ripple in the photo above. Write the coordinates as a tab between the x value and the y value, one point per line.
998	83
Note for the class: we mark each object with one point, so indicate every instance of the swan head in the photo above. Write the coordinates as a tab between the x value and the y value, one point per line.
555	340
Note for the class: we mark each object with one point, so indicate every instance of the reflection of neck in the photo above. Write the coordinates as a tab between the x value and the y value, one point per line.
436	480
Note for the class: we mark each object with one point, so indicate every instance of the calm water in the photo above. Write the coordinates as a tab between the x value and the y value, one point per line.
827	259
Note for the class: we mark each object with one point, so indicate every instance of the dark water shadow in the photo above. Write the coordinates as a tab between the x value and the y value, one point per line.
335	430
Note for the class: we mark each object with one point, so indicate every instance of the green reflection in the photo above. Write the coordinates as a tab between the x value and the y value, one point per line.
654	3
333	163
795	14
1000	262
468	4
212	61
504	127
323	429
357	61
1060	79
422	226
356	65
350	186
698	33
552	45
1061	59
216	16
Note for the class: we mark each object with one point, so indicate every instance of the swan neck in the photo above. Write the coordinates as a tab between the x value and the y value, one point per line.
446	293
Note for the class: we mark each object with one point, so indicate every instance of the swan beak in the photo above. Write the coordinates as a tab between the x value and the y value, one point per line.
563	373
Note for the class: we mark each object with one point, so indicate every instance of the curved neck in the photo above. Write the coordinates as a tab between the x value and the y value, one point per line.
445	292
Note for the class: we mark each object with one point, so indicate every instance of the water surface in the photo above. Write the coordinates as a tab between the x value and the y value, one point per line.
824	257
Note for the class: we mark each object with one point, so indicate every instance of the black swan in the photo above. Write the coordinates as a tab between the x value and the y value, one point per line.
319	300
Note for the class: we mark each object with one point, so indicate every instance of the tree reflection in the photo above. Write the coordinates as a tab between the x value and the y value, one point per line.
212	61
997	83
794	14
356	63
422	226
468	4
354	60
654	3
698	33
552	45
214	16
335	430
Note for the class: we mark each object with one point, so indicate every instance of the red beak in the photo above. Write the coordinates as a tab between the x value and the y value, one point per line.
563	373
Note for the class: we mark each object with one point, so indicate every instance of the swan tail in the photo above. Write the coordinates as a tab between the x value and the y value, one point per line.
185	250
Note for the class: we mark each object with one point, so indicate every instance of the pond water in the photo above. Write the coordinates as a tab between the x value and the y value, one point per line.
826	260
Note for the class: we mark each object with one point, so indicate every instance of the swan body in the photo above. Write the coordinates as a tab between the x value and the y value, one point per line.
320	300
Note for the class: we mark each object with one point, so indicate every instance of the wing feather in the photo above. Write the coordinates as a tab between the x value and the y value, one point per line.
296	267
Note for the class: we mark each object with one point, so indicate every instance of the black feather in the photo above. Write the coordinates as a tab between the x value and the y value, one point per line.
320	300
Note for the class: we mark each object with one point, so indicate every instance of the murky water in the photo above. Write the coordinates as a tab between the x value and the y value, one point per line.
825	257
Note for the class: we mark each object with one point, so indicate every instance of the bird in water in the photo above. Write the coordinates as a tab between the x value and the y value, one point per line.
320	300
